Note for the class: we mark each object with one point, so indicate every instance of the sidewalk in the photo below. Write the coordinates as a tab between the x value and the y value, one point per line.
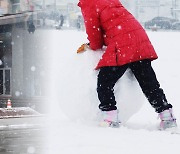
23	122
24	135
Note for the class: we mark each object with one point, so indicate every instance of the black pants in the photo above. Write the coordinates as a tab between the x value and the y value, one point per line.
144	74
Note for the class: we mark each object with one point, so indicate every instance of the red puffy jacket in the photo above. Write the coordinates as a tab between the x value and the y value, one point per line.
108	23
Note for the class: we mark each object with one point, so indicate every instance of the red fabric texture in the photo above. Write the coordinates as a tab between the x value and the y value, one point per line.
108	23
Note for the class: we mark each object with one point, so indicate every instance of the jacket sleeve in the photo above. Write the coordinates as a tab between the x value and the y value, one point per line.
93	28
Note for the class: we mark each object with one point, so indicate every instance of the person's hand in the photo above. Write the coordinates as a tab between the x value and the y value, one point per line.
83	48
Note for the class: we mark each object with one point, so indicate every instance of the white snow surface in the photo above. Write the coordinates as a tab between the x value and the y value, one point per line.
74	125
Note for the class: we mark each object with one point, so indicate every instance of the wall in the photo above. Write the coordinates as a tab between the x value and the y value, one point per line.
29	70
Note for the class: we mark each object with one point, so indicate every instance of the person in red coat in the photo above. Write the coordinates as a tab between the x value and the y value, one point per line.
109	24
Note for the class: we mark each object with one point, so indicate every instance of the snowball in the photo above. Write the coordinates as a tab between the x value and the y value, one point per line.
17	93
119	27
81	87
33	68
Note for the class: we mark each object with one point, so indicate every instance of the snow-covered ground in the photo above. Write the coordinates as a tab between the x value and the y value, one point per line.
74	126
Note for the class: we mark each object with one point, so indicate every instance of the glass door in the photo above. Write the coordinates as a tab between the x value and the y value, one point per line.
5	81
5	63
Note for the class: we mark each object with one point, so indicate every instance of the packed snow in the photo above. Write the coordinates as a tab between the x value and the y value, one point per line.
74	118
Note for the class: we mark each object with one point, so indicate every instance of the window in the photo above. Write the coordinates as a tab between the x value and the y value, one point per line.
15	6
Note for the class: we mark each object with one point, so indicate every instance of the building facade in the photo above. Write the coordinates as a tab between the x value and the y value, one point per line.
23	76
